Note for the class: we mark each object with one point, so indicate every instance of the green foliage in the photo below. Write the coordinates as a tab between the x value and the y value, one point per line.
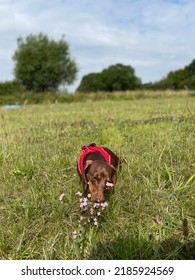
43	64
115	78
176	80
91	83
10	88
28	97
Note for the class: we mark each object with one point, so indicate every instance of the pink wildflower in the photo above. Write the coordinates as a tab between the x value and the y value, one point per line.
96	205
74	234
104	205
81	205
85	203
95	221
79	193
109	184
61	196
90	211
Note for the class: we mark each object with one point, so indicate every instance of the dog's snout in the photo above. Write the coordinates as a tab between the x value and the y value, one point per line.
99	198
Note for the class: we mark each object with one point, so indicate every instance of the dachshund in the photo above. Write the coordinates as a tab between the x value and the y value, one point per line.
97	168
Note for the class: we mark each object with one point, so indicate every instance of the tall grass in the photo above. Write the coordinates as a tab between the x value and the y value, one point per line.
24	97
152	213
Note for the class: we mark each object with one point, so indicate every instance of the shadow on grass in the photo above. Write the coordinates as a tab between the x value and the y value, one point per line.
134	249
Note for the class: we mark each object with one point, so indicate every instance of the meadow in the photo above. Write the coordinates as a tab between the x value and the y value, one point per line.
151	215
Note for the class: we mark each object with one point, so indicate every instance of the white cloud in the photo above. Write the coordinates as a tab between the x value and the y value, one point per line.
154	36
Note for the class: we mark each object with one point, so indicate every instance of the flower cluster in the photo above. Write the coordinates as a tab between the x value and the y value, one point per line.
90	211
109	184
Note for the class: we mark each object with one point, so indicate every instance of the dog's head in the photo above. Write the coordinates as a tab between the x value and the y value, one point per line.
100	177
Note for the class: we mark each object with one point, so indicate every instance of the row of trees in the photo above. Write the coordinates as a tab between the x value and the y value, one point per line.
42	65
179	79
119	78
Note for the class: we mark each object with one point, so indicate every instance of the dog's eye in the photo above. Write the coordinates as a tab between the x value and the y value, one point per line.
95	177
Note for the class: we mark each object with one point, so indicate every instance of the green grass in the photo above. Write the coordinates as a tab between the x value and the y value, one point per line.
155	191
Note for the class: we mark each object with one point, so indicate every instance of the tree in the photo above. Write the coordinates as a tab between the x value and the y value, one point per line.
115	78
180	79
43	64
120	77
90	83
191	68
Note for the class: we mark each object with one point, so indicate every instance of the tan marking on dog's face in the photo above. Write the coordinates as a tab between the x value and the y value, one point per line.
97	193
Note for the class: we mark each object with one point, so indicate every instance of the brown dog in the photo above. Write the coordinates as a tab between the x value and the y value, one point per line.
97	168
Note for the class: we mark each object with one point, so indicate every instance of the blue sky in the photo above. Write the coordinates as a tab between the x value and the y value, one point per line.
153	36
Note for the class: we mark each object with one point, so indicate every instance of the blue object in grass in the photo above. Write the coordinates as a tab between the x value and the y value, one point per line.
12	106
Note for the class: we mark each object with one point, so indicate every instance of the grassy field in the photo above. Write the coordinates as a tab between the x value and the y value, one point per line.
152	213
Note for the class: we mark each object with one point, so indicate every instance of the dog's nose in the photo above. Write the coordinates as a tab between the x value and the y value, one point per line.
99	199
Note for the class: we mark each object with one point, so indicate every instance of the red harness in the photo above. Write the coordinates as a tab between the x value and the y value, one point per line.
91	149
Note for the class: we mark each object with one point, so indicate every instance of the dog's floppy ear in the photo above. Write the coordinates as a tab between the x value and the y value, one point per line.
85	180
